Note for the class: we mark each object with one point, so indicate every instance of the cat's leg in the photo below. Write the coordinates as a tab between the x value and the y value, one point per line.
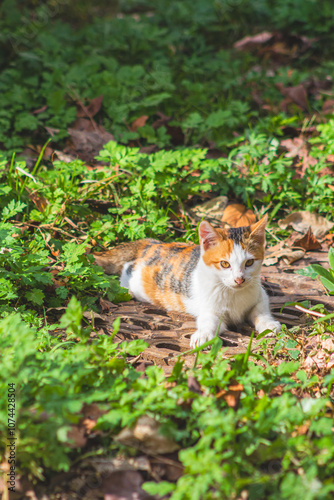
208	325
262	318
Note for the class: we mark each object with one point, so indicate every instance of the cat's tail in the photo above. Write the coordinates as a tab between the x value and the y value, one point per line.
113	260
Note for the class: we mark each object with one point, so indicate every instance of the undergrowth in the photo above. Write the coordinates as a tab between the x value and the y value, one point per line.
269	446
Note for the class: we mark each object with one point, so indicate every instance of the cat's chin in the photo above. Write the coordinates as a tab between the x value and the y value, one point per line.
238	287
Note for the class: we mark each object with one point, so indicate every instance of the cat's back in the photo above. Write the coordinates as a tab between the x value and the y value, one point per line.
161	273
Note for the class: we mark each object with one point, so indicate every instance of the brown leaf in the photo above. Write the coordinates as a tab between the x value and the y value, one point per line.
308	241
88	138
287	254
301	221
92	109
323	357
298	147
106	305
161	121
296	94
328	107
232	395
139	122
249	42
148	149
237	215
52	131
193	385
146	436
211	209
124	485
328	240
301	429
39	110
236	387
295	147
64	157
76	437
40	202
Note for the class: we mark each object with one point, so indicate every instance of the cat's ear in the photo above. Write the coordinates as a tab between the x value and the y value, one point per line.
208	236
258	230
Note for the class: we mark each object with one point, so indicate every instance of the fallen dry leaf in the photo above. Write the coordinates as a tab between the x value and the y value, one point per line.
237	215
64	157
88	138
91	413
106	305
39	110
124	485
140	122
76	437
297	95
250	42
328	107
308	241
193	385
301	429
328	240
296	147
323	358
232	395
106	465
92	109
211	210
40	202
161	121
287	254
146	436
302	221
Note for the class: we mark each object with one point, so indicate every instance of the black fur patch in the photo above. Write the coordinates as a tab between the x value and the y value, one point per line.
183	286
237	234
129	270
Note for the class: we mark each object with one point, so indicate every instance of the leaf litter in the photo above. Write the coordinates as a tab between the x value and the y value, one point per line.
302	221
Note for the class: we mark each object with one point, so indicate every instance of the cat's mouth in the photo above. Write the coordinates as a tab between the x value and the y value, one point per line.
238	286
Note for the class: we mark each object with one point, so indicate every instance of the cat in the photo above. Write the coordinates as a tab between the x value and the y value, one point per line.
217	281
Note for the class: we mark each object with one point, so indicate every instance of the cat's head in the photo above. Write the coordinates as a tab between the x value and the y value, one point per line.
235	254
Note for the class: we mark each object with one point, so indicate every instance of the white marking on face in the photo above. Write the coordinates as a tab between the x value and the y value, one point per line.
238	270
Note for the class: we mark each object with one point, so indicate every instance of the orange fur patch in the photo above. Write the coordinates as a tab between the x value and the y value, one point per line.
162	293
222	251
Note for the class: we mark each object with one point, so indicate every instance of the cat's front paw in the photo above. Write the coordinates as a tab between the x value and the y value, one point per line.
272	325
199	338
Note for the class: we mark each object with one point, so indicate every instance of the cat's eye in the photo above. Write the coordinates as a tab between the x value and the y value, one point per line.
224	264
249	262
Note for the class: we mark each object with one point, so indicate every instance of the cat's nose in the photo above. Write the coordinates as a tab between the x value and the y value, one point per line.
239	281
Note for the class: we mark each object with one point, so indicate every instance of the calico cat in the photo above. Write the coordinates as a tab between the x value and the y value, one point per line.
218	282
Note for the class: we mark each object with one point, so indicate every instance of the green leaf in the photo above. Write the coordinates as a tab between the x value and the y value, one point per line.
302	376
322	271
12	209
36	296
286	368
329	284
331	257
161	488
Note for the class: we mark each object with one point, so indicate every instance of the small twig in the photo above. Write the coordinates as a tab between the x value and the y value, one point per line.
313	313
134	360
